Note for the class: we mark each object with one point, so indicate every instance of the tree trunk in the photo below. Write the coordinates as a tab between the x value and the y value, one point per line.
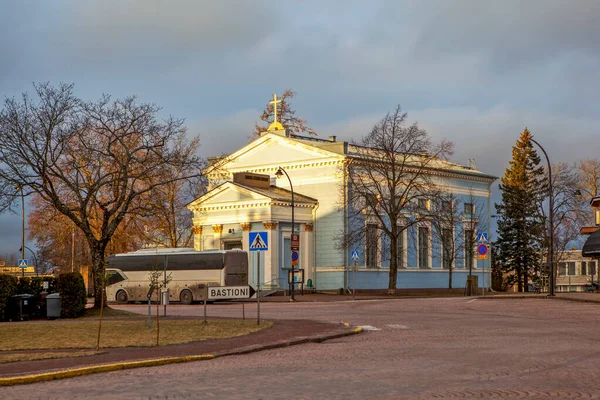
450	269
98	272
393	277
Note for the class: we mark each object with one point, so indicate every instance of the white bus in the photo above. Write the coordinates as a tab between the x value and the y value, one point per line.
189	272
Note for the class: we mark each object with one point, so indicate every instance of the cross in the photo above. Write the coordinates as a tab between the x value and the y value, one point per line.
274	102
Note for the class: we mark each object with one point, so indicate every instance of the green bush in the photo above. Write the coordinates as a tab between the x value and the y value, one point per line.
8	287
73	296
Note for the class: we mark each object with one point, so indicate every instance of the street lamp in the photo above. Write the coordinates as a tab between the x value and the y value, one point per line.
22	227
279	174
551	216
34	258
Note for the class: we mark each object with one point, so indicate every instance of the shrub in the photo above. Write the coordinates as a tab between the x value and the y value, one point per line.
73	296
26	285
8	287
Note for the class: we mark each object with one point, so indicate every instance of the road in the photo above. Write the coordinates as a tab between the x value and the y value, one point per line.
412	349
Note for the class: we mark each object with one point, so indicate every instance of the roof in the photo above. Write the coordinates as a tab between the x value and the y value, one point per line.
355	151
279	194
591	247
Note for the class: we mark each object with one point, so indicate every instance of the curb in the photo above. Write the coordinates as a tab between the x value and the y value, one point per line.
538	297
94	369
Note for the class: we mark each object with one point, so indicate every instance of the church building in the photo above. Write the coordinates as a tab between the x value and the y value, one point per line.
280	179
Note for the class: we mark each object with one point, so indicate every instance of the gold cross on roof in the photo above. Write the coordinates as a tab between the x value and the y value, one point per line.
275	125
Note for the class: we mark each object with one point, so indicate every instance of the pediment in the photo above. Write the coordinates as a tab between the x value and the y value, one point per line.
272	150
226	193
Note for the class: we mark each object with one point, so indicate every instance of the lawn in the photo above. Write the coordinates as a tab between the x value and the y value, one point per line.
122	332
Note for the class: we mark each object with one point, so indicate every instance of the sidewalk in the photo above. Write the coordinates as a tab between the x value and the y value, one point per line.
284	333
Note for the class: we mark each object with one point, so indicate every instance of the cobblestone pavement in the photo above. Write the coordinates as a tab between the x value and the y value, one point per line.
413	349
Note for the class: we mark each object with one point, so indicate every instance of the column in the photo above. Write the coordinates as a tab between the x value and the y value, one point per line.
217	232
307	252
271	272
197	238
246	227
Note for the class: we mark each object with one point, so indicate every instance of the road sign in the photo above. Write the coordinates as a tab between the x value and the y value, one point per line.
230	292
355	255
482	237
482	250
294	258
22	263
295	242
259	241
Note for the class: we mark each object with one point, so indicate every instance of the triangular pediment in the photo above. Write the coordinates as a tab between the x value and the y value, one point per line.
227	193
272	150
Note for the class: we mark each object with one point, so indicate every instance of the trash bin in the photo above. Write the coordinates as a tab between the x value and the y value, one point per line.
21	307
53	307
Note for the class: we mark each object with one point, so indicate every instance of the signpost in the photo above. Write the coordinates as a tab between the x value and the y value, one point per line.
482	251
295	242
259	241
230	292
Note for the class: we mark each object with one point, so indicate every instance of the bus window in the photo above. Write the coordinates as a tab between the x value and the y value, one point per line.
114	277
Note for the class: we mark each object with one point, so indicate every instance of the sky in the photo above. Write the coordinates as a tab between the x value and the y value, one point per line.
473	72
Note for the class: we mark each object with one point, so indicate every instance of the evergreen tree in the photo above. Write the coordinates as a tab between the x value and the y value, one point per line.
520	224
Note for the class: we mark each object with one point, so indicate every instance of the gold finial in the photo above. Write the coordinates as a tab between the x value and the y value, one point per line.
275	125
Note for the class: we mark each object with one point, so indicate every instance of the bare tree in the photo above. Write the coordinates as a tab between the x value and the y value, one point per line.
94	162
390	185
570	207
455	224
286	115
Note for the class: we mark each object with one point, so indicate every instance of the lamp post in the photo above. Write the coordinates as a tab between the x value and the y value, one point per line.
34	258
551	216
22	228
279	174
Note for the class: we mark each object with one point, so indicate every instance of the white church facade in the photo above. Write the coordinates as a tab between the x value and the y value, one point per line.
245	196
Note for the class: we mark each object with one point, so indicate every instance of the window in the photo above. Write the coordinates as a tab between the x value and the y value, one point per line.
469	209
113	277
469	246
446	206
571	265
562	268
446	248
592	267
372	246
400	246
583	268
423	247
423	204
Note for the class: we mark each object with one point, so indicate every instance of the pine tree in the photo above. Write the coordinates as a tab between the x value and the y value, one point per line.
520	225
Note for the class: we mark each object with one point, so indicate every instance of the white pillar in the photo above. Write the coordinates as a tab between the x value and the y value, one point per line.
271	273
307	252
217	231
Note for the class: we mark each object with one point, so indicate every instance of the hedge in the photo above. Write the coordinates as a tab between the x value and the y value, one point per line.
8	287
73	295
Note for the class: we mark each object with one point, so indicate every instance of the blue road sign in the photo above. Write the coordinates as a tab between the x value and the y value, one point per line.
259	241
294	256
355	255
482	237
22	263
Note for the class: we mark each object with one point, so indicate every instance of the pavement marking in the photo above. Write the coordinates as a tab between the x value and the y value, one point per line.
369	328
397	326
470	301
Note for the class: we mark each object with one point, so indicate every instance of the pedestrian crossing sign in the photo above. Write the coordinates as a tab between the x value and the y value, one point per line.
22	263
482	237
259	241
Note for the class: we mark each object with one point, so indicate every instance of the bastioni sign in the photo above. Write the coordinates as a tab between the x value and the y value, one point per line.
230	292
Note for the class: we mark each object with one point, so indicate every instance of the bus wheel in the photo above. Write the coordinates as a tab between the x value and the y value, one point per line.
186	296
121	297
